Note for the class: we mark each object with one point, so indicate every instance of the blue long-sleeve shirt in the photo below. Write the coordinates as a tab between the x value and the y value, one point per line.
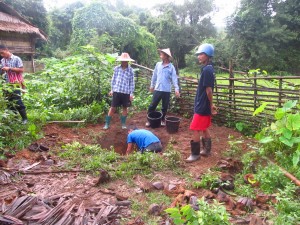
123	80
163	76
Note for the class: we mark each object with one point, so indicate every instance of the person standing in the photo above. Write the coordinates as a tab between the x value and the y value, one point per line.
12	69
122	88
204	107
145	140
163	75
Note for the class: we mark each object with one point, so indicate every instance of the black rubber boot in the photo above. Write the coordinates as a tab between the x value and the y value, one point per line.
206	147
195	152
23	115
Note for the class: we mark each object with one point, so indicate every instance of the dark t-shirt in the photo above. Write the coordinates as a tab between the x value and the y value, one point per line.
207	79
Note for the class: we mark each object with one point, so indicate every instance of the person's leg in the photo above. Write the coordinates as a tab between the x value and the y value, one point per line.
165	105
124	117
206	141
196	135
157	96
108	117
155	101
19	105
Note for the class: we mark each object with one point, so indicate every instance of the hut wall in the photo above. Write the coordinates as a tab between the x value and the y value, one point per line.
21	45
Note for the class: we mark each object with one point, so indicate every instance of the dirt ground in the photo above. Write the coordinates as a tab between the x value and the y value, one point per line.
82	186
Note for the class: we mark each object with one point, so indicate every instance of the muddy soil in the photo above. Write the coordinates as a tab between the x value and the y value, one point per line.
82	186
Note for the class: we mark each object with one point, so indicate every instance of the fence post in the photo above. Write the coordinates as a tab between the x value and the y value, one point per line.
255	92
280	92
231	88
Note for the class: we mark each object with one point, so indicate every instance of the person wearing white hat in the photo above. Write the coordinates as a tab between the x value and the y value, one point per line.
122	88
163	76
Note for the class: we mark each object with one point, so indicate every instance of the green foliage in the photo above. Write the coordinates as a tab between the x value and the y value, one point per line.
214	214
124	33
282	138
182	27
93	157
263	34
208	180
75	87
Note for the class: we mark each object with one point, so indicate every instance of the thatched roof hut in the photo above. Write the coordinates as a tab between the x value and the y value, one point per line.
19	35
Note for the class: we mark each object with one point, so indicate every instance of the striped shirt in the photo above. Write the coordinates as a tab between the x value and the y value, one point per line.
123	80
13	62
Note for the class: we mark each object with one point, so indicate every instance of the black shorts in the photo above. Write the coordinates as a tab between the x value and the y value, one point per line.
120	99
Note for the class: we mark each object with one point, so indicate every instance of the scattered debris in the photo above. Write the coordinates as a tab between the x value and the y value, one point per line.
231	165
104	177
158	185
36	147
245	204
154	209
250	179
59	210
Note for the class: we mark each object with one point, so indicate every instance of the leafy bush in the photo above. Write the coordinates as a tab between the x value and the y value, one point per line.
214	214
281	140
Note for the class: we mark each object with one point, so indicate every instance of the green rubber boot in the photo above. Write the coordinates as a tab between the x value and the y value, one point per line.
123	121
107	122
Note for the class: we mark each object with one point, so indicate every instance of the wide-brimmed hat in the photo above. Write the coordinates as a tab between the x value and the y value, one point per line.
125	57
166	51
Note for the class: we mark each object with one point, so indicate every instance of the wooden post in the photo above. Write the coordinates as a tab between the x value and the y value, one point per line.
32	62
255	92
231	86
280	92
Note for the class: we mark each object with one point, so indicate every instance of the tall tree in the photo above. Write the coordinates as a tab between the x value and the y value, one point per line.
182	27
32	10
61	25
261	32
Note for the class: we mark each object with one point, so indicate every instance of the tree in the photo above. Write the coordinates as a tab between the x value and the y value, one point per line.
264	33
32	10
125	34
182	27
61	25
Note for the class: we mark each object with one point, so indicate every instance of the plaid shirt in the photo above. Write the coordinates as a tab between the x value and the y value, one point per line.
123	80
13	62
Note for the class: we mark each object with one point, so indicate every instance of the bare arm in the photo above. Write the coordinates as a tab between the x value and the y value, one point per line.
129	148
209	94
14	69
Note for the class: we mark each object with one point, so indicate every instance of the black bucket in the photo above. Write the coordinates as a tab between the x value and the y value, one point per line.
172	124
154	119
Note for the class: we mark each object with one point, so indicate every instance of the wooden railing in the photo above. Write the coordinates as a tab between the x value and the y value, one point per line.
238	97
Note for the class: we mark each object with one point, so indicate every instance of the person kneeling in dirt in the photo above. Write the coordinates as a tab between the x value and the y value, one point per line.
204	107
145	140
122	88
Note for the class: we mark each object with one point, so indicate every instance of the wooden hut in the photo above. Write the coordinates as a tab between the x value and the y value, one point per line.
19	35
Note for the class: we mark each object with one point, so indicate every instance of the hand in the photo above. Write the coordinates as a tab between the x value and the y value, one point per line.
110	93
151	89
214	110
131	98
5	68
177	94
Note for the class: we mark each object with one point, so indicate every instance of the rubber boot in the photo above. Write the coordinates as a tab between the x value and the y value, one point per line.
195	152
123	121
23	115
206	147
107	122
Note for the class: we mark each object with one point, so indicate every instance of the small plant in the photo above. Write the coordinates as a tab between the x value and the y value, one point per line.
208	180
214	214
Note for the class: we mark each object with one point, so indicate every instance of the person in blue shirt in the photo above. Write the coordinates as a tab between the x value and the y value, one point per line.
122	88
163	75
145	140
203	107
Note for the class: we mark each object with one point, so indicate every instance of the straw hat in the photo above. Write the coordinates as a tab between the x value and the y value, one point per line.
166	51
125	57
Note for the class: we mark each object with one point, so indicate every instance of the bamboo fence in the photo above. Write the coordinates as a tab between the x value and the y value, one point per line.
237	97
